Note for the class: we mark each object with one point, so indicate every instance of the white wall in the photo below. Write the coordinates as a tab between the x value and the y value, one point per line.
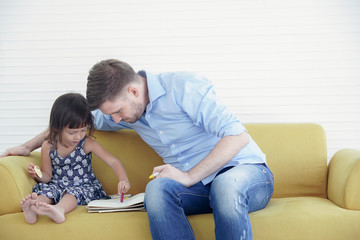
270	60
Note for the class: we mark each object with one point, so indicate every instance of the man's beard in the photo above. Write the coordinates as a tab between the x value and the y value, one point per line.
139	110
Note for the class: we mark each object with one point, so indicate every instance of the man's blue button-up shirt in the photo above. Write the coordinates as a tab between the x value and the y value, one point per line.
183	121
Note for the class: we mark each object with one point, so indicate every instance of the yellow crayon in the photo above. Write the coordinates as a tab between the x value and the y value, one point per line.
154	175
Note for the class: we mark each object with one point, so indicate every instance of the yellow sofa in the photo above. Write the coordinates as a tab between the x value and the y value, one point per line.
312	200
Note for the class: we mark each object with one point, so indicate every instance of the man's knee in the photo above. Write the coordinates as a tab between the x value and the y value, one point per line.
156	193
228	194
228	184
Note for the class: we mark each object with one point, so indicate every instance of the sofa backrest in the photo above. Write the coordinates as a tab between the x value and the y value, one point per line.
138	159
296	153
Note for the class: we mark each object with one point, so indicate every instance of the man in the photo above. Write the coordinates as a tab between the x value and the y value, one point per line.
211	163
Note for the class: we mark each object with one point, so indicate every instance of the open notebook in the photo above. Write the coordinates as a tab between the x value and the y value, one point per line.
134	203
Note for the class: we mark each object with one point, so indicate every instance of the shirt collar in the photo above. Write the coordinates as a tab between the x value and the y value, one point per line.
155	89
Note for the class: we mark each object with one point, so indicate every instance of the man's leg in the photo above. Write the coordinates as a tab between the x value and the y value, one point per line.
167	203
234	194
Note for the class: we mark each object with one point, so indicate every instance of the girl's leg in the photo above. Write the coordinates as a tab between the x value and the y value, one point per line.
56	212
26	203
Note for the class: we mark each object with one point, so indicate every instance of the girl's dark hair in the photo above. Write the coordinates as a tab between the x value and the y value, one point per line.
70	110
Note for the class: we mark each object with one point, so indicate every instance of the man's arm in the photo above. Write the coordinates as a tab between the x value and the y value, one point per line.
29	146
221	154
198	99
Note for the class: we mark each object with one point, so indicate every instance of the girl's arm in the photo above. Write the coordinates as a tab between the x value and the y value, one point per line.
91	145
46	167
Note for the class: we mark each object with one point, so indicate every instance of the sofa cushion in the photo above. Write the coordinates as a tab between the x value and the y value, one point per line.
310	218
294	218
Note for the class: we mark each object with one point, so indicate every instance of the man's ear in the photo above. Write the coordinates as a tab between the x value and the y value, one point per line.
133	91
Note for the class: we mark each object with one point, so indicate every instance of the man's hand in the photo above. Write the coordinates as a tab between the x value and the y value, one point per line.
168	171
21	150
26	148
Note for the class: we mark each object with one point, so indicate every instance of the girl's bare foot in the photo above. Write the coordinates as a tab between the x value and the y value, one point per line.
55	212
30	215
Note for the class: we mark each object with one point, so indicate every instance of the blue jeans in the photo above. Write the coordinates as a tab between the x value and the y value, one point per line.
233	194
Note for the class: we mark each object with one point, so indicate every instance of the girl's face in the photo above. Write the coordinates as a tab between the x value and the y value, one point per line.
72	136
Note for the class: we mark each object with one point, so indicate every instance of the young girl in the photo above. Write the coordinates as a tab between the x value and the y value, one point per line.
67	178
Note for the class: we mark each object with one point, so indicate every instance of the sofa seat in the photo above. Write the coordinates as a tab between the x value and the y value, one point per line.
307	218
295	218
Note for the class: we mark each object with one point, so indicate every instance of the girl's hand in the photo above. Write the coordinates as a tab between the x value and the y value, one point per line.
31	170
123	186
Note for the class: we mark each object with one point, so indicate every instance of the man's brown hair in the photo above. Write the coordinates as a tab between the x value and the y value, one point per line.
107	80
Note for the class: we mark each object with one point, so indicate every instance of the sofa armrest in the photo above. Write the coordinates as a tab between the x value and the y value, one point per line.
15	182
344	179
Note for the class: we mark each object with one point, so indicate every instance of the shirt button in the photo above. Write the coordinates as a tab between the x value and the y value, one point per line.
161	132
172	145
148	115
186	164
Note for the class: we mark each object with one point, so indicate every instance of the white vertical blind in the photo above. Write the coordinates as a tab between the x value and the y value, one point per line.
270	60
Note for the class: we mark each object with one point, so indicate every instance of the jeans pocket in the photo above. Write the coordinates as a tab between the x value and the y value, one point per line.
265	189
269	174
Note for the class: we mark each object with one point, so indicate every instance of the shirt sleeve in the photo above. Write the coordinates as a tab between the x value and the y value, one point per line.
200	102
105	122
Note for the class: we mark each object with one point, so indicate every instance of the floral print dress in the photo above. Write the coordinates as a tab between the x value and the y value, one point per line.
74	175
